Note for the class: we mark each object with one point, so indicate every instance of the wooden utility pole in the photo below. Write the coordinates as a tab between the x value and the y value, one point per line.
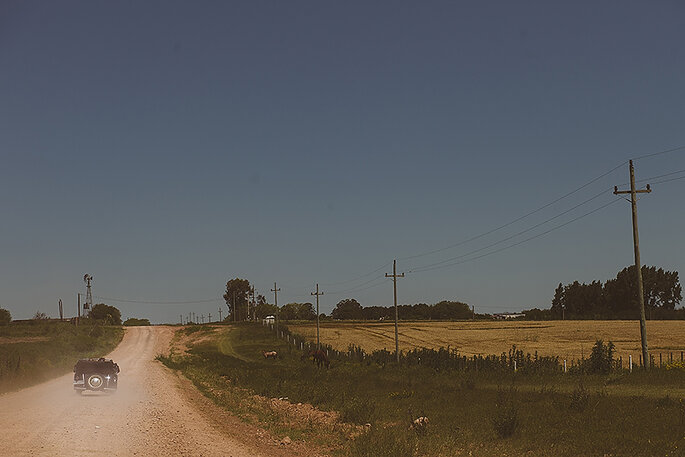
638	267
61	312
317	293
209	318
275	290
394	277
78	308
219	314
181	319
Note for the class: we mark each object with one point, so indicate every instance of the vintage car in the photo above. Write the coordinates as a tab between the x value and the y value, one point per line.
96	374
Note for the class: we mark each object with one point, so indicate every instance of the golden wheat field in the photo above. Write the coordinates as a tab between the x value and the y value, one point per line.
567	339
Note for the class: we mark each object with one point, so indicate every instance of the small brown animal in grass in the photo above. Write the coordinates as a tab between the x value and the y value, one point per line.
319	357
269	354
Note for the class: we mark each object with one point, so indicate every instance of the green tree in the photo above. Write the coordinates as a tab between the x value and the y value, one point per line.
236	296
558	302
110	314
5	317
662	292
265	309
348	308
450	310
132	321
288	312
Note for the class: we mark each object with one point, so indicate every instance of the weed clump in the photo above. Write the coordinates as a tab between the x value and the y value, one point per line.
580	397
602	357
505	419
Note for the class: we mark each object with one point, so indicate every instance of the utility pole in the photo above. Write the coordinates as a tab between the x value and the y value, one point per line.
78	308
219	314
202	318
209	318
394	277
638	268
317	293
254	304
275	290
61	313
181	319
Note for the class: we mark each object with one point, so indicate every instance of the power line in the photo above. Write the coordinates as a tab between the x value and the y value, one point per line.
357	278
429	268
517	234
156	302
659	176
353	289
679	148
668	180
518	218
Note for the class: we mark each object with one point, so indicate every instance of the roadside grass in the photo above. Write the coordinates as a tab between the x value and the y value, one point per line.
35	351
471	413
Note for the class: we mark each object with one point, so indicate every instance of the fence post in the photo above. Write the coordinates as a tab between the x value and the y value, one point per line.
661	363
514	365
564	365
630	363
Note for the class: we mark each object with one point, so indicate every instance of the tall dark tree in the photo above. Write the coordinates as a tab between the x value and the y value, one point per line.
297	311
265	309
446	309
109	314
617	298
236	296
662	292
5	317
348	308
558	302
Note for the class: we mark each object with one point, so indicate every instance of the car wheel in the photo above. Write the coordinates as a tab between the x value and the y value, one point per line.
95	381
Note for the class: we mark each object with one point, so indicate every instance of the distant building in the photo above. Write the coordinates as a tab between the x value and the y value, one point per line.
269	320
508	316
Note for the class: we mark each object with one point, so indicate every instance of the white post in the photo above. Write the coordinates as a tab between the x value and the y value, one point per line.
630	362
514	365
564	365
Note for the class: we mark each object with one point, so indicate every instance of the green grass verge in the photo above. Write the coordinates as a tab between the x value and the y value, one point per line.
35	351
470	413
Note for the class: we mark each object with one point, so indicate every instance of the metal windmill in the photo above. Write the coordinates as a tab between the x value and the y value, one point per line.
89	294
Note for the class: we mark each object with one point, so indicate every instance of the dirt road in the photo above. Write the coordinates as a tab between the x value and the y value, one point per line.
152	414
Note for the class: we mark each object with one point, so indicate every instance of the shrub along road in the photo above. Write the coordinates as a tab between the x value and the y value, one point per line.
155	412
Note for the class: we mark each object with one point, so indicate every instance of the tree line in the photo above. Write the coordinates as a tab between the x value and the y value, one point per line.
244	304
617	298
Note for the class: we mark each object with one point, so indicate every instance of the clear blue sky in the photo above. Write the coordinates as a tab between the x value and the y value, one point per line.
166	147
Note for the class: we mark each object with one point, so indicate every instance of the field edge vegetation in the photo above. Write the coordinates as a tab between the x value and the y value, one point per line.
372	404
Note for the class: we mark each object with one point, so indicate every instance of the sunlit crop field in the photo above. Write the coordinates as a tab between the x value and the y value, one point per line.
567	339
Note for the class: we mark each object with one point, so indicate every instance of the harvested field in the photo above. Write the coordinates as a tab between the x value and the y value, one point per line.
566	339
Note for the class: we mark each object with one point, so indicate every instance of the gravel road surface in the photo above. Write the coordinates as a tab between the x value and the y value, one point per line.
152	414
